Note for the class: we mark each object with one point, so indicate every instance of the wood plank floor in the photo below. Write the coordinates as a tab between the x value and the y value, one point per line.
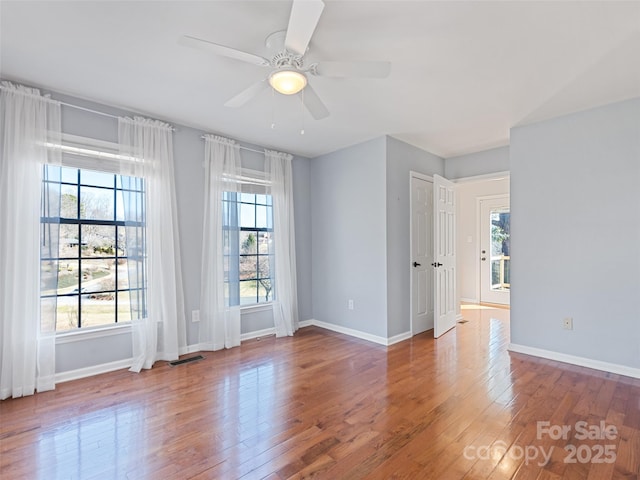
324	405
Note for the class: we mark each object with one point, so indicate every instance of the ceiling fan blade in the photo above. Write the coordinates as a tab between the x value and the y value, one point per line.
302	23
229	52
312	101
352	69
247	94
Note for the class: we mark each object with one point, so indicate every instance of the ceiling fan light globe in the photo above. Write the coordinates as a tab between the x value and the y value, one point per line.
287	82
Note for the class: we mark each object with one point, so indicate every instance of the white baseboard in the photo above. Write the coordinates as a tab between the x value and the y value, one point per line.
351	332
258	333
401	337
574	360
111	366
459	317
189	349
357	333
93	370
470	300
270	331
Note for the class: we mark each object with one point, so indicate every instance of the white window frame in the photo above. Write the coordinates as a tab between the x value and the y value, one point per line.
97	155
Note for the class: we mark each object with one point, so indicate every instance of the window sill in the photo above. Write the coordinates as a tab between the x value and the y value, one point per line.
259	307
88	334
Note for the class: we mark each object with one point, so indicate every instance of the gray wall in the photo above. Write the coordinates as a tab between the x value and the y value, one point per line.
402	158
304	239
188	150
188	155
479	163
575	199
348	225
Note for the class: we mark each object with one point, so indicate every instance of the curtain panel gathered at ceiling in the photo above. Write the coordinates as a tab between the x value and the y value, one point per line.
225	180
29	126
285	304
155	274
219	309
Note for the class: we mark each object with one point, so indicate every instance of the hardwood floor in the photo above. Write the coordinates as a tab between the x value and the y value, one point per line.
325	405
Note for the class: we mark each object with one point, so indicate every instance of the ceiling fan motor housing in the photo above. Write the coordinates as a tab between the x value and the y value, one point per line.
288	60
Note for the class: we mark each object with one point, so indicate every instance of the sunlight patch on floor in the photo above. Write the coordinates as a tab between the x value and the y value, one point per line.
475	311
477	306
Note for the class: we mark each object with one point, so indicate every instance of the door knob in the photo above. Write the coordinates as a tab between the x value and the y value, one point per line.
436	264
416	264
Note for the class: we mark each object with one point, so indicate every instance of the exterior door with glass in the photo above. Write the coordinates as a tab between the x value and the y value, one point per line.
495	250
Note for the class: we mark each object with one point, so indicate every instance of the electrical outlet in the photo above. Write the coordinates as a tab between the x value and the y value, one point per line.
567	323
195	316
350	304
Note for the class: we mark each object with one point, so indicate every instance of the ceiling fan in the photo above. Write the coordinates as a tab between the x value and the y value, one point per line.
289	73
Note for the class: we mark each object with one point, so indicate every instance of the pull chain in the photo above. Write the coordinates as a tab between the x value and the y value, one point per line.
302	110
273	108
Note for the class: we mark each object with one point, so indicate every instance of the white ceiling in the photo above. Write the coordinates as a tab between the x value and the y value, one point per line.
462	73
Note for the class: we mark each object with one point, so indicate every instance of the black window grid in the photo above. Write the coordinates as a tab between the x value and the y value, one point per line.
87	221
253	229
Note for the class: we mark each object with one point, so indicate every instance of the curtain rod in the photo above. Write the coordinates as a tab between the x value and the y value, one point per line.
173	129
251	149
242	147
48	96
87	109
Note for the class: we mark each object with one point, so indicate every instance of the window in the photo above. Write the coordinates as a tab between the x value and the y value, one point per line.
248	239
93	278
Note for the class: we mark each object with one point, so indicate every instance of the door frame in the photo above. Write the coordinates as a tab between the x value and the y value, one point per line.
427	178
477	264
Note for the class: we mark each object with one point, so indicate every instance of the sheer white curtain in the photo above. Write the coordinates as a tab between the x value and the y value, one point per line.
219	309
159	330
28	121
285	305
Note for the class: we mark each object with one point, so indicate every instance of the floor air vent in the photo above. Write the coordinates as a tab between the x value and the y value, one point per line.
186	360
463	321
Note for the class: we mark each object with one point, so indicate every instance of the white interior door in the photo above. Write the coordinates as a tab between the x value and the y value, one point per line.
421	255
495	250
444	248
